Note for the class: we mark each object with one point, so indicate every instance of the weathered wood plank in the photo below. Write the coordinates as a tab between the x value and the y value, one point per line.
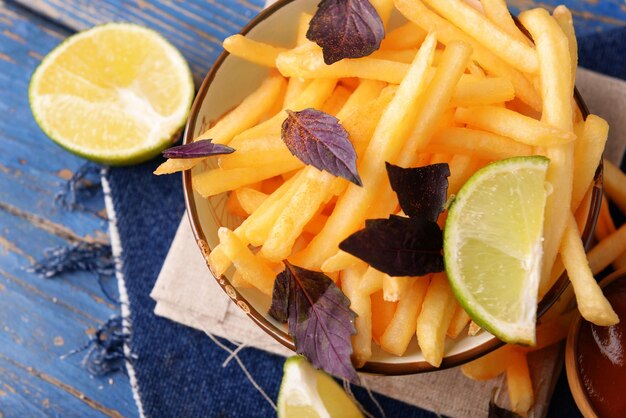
196	27
40	320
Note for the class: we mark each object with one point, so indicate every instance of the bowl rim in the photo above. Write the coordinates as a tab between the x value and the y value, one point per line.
391	369
574	378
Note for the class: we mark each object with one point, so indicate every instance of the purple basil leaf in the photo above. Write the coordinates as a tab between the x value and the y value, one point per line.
398	246
197	149
320	320
422	191
346	29
318	139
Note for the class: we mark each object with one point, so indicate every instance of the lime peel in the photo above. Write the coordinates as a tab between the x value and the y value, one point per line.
309	393
493	246
116	94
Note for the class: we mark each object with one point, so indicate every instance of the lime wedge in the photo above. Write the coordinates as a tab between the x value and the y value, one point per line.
115	94
309	393
493	246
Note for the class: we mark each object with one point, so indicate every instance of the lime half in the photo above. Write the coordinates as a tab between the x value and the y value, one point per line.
115	94
493	246
309	393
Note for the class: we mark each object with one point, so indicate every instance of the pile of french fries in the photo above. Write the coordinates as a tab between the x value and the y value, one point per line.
457	83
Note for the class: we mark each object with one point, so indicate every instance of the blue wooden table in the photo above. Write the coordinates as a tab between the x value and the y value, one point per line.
43	319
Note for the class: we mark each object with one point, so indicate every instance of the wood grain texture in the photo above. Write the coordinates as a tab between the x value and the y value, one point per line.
195	27
40	320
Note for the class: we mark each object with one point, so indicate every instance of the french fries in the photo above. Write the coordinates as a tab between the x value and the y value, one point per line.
556	89
514	125
253	51
402	327
433	321
592	304
514	52
519	384
385	144
450	85
361	304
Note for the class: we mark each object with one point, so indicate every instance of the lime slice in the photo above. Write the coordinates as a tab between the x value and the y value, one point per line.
493	246
309	393
115	94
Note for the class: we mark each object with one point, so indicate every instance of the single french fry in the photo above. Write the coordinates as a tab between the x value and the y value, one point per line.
304	20
362	122
307	62
435	99
212	182
513	125
592	303
607	250
258	152
556	91
260	223
482	91
401	329
434	319
361	304
519	384
614	181
399	55
339	261
592	135
479	144
250	199
461	169
406	36
300	208
564	18
254	51
385	144
372	281
459	321
245	115
174	165
382	314
295	87
336	101
516	53
252	268
394	288
314	96
498	12
473	329
417	12
490	365
239	282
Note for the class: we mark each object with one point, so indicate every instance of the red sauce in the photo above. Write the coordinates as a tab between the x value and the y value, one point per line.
601	357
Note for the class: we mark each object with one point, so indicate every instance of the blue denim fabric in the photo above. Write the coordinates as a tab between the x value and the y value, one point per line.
179	370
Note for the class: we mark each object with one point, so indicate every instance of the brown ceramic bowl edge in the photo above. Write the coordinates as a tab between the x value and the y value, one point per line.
391	369
571	365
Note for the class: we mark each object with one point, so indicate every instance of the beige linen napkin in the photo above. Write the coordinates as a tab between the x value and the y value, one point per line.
186	293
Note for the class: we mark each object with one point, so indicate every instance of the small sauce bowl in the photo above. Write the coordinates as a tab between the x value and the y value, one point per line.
595	357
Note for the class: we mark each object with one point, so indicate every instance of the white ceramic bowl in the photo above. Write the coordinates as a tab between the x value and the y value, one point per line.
230	80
